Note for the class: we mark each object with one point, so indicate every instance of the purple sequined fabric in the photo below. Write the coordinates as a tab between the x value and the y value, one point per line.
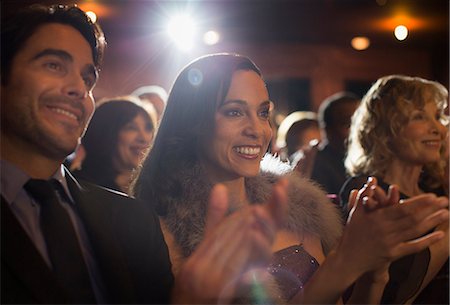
292	267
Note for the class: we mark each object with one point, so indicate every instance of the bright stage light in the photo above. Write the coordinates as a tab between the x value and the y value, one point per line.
182	31
211	38
401	32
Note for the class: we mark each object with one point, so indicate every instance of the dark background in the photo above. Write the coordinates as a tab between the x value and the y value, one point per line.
303	47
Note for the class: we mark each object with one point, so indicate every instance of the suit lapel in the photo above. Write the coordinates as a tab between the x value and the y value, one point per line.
98	219
23	261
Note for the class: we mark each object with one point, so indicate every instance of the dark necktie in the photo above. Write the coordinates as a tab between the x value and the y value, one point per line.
62	244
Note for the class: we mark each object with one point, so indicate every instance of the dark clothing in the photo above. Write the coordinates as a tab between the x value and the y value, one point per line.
101	178
406	274
329	170
127	244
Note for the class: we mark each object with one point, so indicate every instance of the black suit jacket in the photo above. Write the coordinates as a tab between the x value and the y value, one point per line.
126	239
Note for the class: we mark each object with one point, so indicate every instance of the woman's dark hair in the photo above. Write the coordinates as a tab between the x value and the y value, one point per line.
100	140
17	28
296	133
188	120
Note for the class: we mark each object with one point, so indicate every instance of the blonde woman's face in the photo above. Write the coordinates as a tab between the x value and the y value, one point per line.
242	130
422	138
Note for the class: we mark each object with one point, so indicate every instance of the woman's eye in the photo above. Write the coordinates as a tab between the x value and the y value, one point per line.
418	116
130	127
233	112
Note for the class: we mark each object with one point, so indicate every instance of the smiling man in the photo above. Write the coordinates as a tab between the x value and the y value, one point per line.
63	241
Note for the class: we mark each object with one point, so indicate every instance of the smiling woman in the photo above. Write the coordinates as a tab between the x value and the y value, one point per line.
119	135
216	130
399	134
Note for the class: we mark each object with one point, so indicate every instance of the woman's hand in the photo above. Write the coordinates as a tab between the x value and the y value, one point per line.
231	246
304	159
381	228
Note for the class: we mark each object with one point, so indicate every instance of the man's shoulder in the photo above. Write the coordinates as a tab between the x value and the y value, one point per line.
102	197
90	188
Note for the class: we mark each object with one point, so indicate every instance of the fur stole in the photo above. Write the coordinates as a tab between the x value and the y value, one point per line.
309	208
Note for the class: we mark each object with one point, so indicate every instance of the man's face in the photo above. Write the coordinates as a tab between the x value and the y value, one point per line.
339	130
47	101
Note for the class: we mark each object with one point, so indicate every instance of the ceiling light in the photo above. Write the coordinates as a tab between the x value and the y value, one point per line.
181	29
401	32
211	38
360	43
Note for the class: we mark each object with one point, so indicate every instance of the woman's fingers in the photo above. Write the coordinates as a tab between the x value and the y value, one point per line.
277	205
217	208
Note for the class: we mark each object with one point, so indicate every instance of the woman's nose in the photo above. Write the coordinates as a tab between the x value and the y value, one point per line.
252	128
145	136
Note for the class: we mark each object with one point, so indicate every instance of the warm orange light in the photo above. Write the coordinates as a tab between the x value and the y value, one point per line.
100	10
411	23
360	43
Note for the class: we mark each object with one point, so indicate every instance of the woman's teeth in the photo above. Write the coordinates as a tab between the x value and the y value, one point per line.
248	150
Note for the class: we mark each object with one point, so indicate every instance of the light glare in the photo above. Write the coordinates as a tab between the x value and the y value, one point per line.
92	16
360	43
401	32
182	31
211	38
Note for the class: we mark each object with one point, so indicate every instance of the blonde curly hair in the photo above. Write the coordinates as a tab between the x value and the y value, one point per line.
381	116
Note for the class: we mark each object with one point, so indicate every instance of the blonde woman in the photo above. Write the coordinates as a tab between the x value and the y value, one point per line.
398	135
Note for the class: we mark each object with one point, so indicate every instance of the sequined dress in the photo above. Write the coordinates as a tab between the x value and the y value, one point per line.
292	267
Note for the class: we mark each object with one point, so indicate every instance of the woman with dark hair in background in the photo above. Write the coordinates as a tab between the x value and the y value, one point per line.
398	135
118	136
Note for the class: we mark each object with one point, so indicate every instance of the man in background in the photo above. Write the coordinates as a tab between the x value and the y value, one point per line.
334	115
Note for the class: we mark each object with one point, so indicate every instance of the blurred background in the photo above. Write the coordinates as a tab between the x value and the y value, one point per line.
306	49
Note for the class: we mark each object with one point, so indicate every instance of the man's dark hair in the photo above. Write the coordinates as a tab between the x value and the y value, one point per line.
327	108
19	27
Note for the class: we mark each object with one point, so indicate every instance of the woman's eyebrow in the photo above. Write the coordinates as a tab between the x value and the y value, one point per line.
234	101
244	103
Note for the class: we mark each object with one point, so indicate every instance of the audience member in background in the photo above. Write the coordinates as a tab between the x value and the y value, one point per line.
298	136
118	136
155	95
296	131
216	129
446	161
398	136
335	115
69	242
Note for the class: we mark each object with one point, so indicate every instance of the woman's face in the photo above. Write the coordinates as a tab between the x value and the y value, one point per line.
420	141
133	139
242	131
